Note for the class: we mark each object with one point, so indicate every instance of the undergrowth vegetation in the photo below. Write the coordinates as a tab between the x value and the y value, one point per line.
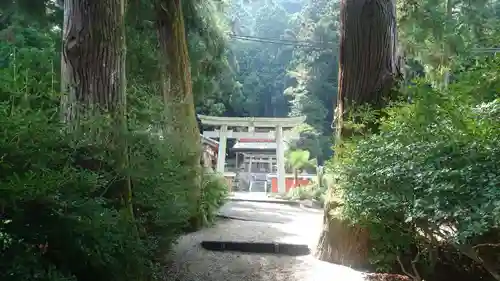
215	192
312	191
427	184
60	217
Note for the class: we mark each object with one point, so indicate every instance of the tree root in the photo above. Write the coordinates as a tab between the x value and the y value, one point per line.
343	243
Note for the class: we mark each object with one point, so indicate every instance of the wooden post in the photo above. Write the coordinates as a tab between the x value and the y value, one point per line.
221	156
280	157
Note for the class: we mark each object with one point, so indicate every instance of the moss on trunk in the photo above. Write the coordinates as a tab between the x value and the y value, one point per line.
181	127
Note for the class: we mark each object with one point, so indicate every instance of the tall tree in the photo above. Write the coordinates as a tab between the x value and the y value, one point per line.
369	69
261	62
313	76
439	35
180	119
93	70
212	65
298	160
93	57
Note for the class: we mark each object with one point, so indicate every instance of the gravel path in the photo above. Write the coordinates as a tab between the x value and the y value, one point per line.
277	223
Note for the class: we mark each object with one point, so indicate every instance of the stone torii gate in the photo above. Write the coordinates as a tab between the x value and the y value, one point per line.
279	125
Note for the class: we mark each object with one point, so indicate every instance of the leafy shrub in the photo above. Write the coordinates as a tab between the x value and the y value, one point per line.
161	197
60	217
299	193
50	207
308	192
430	176
59	209
215	191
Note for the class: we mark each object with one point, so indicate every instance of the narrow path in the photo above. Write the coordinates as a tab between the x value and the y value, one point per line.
277	223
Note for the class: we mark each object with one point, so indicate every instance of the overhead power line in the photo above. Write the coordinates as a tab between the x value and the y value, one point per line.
319	43
322	45
278	42
295	43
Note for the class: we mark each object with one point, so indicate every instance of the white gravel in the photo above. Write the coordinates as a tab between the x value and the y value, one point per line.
292	225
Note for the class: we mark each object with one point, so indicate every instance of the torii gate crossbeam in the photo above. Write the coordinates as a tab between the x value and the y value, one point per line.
251	123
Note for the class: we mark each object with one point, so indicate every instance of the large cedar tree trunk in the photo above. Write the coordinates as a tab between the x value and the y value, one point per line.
93	58
93	73
181	127
369	68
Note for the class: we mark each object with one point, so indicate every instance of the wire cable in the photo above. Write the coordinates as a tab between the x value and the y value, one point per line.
321	45
284	40
278	42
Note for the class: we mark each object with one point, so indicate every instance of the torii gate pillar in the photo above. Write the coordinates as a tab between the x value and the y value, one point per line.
221	155
280	159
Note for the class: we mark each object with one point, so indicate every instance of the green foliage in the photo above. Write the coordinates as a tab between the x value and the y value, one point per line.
212	65
431	174
160	190
309	192
313	75
299	193
60	217
54	214
261	66
299	159
59	214
215	191
441	35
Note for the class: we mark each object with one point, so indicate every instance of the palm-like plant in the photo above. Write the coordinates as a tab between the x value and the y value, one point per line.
298	160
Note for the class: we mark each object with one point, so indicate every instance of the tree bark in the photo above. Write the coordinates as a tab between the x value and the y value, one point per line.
369	69
181	127
93	57
369	61
93	72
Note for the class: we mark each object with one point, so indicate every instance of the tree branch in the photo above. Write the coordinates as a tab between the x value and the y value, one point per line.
472	254
493	245
416	275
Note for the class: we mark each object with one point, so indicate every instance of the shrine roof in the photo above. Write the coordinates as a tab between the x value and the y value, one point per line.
247	140
242	146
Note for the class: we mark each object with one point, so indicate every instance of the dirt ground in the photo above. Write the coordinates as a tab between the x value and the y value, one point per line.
276	223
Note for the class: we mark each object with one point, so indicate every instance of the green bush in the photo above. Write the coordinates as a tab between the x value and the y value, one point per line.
431	175
59	209
51	209
299	193
215	191
160	194
60	217
312	191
